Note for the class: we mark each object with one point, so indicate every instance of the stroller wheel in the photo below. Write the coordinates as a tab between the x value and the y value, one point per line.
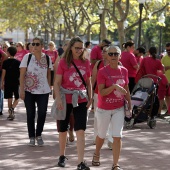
152	123
129	124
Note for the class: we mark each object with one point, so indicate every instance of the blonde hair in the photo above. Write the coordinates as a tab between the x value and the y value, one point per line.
51	42
68	53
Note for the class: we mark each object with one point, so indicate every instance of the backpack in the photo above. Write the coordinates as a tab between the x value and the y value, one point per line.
30	55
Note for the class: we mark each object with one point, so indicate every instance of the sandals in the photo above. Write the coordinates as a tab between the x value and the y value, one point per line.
95	162
71	136
116	167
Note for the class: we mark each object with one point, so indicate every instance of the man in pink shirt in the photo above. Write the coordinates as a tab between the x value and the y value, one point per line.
96	53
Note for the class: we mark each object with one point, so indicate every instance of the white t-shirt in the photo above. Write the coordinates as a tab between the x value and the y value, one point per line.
36	75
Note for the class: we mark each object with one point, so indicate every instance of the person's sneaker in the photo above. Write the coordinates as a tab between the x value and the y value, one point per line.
61	162
82	166
11	114
109	144
32	141
40	141
1	113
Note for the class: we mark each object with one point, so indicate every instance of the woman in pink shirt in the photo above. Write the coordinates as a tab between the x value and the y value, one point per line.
53	54
68	78
128	60
112	81
20	51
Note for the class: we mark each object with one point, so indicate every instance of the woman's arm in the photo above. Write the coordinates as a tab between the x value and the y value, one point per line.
105	91
94	74
127	96
22	80
49	76
89	89
57	84
2	78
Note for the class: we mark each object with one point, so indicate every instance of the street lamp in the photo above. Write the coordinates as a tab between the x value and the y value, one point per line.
39	30
61	21
125	24
161	21
29	32
141	2
100	12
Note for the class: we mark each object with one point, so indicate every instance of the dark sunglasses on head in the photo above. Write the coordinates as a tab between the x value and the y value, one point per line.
35	44
113	54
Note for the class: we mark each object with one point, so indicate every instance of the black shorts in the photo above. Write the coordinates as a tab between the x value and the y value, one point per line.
80	118
10	91
52	78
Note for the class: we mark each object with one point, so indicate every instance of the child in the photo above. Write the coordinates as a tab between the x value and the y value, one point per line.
10	80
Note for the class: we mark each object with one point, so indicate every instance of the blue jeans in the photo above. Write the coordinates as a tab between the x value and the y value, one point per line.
42	102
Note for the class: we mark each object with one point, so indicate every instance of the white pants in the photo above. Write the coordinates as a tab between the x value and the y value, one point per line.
113	117
110	138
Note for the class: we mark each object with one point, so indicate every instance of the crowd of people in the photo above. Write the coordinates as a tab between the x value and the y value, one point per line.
102	77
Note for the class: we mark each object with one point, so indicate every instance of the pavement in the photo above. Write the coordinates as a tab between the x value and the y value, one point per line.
142	147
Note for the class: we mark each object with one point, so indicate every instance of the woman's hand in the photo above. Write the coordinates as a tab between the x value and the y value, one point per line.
89	103
59	104
22	94
120	89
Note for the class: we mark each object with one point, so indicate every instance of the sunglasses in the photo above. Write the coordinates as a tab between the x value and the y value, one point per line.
35	44
113	54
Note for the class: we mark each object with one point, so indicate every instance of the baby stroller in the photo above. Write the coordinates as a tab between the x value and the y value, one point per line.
145	103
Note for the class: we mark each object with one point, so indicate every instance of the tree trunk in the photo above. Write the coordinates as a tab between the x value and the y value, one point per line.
121	33
89	33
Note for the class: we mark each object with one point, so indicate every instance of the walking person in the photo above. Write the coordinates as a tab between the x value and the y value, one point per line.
10	81
113	89
68	79
35	73
128	60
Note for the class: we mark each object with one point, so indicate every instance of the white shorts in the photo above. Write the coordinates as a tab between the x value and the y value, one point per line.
113	117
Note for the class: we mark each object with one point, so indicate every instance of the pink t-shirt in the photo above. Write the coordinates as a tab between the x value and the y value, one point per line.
20	54
128	60
71	79
53	55
96	54
139	59
151	66
109	76
100	66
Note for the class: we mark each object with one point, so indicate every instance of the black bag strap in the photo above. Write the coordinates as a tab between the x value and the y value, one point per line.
84	83
29	58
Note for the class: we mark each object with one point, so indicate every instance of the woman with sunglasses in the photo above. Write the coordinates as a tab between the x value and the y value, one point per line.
35	88
112	81
129	61
20	51
69	80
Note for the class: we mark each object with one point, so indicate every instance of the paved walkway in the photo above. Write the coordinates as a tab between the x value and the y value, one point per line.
143	148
